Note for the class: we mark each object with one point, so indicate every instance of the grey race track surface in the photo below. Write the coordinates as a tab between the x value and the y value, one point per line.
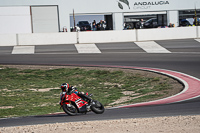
186	62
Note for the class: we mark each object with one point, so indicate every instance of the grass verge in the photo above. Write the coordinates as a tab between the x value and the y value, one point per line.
35	91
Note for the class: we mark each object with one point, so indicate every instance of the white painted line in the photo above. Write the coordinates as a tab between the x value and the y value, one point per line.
152	47
87	48
198	40
23	50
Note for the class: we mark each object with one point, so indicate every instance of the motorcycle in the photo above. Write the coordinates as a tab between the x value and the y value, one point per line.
73	104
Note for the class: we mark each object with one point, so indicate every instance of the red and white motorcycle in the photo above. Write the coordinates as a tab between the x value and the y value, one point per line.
73	104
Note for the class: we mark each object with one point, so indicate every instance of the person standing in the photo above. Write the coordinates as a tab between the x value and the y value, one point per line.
141	24
195	21
101	24
94	26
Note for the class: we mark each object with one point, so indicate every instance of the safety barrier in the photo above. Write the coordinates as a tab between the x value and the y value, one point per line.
8	39
167	33
99	36
47	38
107	36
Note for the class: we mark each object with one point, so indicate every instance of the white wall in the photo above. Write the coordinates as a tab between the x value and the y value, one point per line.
104	6
118	21
47	38
107	36
198	32
8	39
99	36
166	33
15	20
173	17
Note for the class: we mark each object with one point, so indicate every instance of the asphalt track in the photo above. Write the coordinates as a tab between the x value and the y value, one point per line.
185	58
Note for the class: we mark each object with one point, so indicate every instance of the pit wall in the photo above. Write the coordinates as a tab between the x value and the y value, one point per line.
99	36
8	39
47	38
107	36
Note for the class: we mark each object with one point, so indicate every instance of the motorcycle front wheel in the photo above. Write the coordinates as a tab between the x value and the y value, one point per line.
70	109
97	107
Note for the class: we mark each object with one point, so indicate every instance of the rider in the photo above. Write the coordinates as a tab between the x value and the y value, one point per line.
66	88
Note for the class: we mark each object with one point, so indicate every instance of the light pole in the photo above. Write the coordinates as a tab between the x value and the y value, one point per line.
196	22
195	15
74	22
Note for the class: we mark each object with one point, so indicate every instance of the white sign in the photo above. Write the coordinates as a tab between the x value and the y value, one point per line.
135	5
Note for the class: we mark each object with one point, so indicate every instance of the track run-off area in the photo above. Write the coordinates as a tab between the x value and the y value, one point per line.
181	63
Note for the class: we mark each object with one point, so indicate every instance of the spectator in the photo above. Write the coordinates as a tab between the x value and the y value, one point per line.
102	25
171	25
125	26
141	24
94	26
196	21
64	29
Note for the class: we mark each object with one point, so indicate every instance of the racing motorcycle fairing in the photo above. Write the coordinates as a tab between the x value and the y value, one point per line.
79	102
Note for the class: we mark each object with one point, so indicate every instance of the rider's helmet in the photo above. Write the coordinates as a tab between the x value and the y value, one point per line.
64	87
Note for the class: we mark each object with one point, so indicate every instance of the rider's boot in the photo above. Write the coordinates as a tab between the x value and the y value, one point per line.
88	108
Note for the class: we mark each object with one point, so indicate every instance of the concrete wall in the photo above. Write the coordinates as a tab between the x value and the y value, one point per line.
99	36
8	39
107	36
47	38
15	20
166	33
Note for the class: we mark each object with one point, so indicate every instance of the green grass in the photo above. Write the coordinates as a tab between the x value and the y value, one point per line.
106	86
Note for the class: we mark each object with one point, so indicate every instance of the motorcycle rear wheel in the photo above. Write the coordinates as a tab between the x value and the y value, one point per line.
70	110
97	107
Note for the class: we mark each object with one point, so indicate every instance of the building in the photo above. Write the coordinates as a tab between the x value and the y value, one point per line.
36	16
